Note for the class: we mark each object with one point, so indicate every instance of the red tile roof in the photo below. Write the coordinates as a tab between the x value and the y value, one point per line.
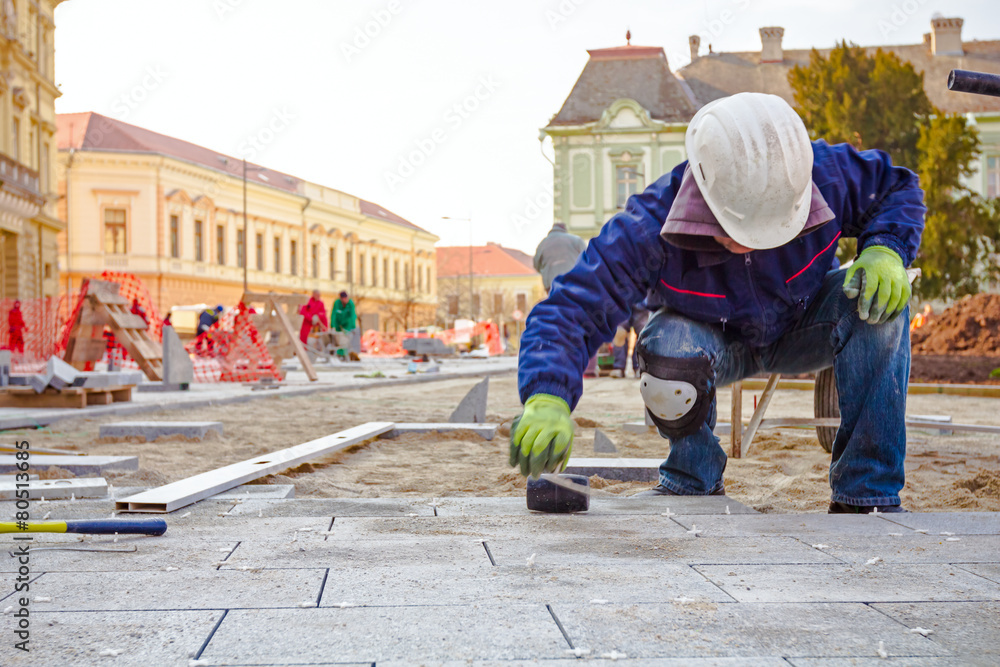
489	260
91	131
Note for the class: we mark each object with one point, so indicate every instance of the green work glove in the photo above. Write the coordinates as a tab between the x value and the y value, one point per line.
542	437
879	278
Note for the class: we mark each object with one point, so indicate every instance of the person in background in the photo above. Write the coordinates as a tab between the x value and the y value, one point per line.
16	328
313	315
555	255
636	321
343	318
206	321
140	311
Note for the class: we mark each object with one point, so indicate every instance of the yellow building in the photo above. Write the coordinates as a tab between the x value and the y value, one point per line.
488	282
171	213
28	223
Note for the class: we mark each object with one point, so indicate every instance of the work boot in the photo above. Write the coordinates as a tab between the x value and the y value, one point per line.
844	508
660	490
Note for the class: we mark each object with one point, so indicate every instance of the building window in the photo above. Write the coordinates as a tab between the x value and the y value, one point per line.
476	299
628	184
241	249
333	263
43	167
453	305
420	279
430	288
175	237
349	265
315	260
293	258
395	274
993	177
220	245
385	273
522	303
15	139
199	242
497	303
361	268
277	254
114	231
374	272
260	252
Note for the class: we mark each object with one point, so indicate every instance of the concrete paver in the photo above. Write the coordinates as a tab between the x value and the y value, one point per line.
879	582
599	505
336	507
677	630
180	589
184	553
989	571
959	523
908	661
912	547
312	551
790	524
144	638
374	634
687	550
963	628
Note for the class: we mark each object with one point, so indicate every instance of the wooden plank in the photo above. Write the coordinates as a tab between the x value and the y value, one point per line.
86	349
128	320
186	491
51	489
980	390
758	413
736	419
300	351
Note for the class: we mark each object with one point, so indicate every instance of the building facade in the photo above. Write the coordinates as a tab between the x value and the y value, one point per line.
488	282
28	223
623	124
171	213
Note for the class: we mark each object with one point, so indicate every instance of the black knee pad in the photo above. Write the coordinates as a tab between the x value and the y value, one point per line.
678	392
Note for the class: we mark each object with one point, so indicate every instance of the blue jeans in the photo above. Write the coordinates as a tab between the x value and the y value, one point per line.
872	367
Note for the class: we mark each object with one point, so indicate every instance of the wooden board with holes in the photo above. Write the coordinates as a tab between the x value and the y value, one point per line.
69	397
277	323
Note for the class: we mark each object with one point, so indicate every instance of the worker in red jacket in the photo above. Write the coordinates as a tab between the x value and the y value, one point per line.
313	314
16	328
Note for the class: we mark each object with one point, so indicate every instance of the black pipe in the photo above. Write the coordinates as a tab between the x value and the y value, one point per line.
978	83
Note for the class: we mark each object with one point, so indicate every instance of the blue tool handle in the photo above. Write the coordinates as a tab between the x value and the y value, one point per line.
120	526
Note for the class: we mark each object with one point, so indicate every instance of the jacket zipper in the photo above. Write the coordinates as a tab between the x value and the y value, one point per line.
756	297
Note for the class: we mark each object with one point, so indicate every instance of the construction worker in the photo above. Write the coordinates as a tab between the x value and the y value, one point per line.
16	327
733	247
313	316
557	253
343	318
206	320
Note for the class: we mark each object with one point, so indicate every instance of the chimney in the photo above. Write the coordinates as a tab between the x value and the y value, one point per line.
694	41
770	38
927	41
946	36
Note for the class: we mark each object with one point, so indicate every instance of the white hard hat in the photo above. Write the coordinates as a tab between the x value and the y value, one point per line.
752	160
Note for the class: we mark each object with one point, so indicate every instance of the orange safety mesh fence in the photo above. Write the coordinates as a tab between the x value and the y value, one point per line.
378	344
32	336
232	350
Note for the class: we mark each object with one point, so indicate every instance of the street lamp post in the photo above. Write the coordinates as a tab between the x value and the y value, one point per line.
472	314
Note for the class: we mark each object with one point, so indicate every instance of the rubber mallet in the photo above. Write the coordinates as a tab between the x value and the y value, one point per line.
88	527
556	493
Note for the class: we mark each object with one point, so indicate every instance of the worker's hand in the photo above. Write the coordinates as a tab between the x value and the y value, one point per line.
541	439
879	278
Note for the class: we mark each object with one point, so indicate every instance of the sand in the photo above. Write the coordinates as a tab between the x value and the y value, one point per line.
786	471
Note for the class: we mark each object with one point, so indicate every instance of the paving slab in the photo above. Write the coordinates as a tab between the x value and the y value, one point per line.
472	408
310	550
908	661
96	487
599	505
337	507
601	662
151	554
678	630
81	466
603	444
879	582
626	470
144	638
234	527
912	547
149	430
257	492
181	589
374	634
485	431
960	523
964	628
545	580
613	553
788	524
989	571
510	527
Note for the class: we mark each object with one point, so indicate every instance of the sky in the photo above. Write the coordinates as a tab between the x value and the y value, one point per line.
431	108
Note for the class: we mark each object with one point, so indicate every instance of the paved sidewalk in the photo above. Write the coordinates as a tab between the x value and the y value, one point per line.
482	581
336	377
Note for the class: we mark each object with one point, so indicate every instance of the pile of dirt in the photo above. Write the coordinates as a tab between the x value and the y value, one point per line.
953	369
970	327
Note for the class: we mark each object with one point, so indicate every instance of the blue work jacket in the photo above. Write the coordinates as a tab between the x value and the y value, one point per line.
760	294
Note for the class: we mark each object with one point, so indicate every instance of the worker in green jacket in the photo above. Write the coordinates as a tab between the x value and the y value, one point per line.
343	318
